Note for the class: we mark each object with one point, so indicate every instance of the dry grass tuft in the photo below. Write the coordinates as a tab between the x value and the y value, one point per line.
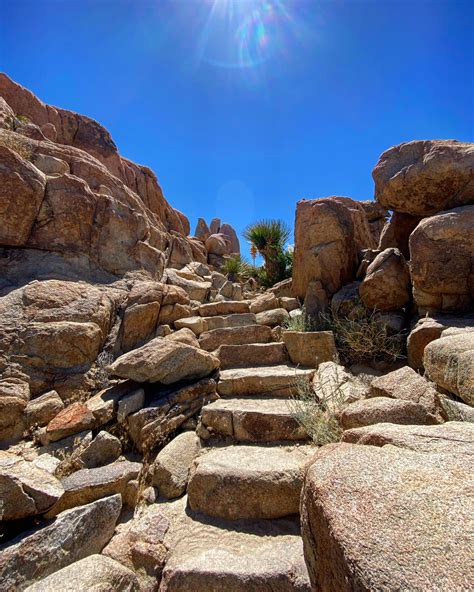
19	144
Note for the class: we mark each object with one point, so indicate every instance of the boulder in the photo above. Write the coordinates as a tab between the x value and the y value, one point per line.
423	177
227	230
442	256
310	348
449	362
202	231
329	233
197	324
35	554
263	302
336	386
25	490
165	361
346	300
14	397
406	384
386	287
272	318
249	354
451	437
71	420
43	409
383	410
376	216
224	308
283	289
95	572
211	340
171	467
396	232
232	320
185	336
103	450
196	289
215	226
384	518
218	244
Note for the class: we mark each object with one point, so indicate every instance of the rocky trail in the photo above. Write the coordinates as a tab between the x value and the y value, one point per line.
169	425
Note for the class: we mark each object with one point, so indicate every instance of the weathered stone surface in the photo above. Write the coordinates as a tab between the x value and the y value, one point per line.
22	191
43	409
263	302
202	231
310	348
88	485
457	411
250	354
73	535
384	410
450	437
196	290
387	285
408	385
253	420
139	546
211	340
425	176
449	362
328	235
103	449
426	330
151	425
279	381
218	244
165	361
171	466
385	518
376	216
232	320
229	232
442	255
248	482
346	300
14	396
196	324
185	336
260	556
272	318
289	304
224	308
396	232
71	420
335	385
95	572
25	490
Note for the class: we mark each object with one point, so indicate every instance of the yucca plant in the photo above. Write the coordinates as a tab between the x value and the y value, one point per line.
236	268
269	238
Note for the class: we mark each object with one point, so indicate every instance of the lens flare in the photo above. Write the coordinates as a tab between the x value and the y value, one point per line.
244	33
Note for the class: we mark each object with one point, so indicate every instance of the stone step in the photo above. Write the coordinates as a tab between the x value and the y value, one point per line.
202	324
248	482
252	354
211	340
253	420
225	307
278	381
211	555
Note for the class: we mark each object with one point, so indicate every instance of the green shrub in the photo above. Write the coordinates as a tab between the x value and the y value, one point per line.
301	323
237	268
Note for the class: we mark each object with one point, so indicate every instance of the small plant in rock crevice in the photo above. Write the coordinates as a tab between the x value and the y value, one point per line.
303	323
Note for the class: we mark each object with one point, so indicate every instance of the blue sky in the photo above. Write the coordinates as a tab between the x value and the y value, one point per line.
243	107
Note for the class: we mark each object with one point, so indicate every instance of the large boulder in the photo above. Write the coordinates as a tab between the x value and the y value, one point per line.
386	286
384	409
442	261
166	361
425	176
329	233
202	231
387	519
228	231
218	244
73	535
14	397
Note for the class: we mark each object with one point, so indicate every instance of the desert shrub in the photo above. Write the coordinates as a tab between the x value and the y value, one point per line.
236	268
302	322
101	370
19	144
70	461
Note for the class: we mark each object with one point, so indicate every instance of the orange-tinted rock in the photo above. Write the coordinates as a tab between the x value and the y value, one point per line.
71	420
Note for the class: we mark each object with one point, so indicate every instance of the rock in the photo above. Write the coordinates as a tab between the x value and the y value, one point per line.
396	232
14	396
383	410
386	286
95	572
248	482
376	216
151	425
406	384
211	340
82	531
185	336
346	300
171	466
442	255
451	437
289	304
217	280
196	290
232	320
49	165
424	177
310	348
71	420
25	490
415	534
199	268
22	191
139	546
449	362
250	354
141	314
218	244
283	289
457	411
165	361
215	226
88	485
279	381
266	301
253	420
66	447
329	233
425	330
202	231
103	449
224	308
43	409
196	324
130	403
227	230
335	386
272	318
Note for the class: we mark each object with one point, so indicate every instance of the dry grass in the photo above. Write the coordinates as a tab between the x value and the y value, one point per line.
70	461
19	144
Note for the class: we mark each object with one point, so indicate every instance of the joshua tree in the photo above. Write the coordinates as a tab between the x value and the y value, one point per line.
269	238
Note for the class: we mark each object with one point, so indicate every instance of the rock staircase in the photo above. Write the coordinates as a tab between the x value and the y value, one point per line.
242	530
